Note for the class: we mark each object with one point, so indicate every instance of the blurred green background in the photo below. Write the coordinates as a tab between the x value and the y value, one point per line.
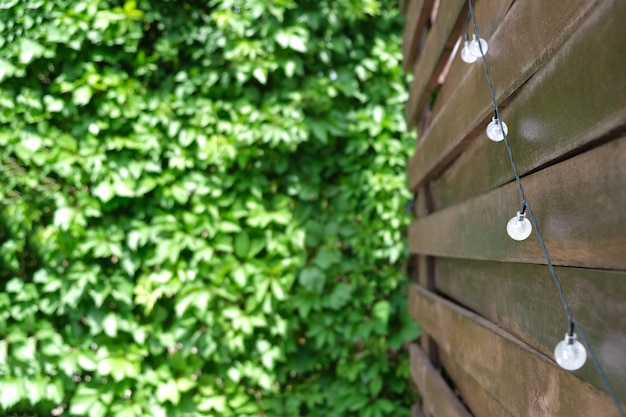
201	208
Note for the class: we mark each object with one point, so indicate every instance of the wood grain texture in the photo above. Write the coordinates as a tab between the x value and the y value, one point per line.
441	400
513	60
441	37
521	379
579	205
522	299
489	15
479	401
578	97
417	17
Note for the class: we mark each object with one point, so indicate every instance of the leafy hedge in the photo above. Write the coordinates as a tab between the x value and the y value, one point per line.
201	208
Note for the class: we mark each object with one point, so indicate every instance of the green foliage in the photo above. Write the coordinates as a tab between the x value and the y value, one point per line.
201	208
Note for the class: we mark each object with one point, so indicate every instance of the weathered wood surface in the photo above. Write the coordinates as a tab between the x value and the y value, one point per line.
578	98
416	412
579	205
522	380
418	14
479	401
489	15
441	400
522	299
513	60
425	270
403	5
441	37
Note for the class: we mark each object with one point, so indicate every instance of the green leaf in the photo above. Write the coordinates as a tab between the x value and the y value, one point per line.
260	74
30	50
13	391
63	217
381	311
36	389
110	324
168	391
104	191
7	69
242	245
313	279
326	258
82	95
85	402
217	404
340	296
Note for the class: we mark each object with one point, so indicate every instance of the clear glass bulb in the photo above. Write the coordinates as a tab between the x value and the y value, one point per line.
519	228
496	129
570	354
467	55
475	47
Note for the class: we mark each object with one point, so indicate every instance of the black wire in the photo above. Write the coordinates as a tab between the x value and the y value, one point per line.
526	207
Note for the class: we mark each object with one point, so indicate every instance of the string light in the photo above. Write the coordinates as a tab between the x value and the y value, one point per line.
466	53
478	47
570	354
497	130
519	228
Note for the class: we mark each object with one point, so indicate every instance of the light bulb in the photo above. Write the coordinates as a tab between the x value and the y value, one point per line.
475	47
519	228
467	55
496	130
570	354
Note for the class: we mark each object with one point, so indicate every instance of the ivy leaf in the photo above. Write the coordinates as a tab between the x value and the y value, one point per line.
7	69
260	74
242	245
82	95
13	391
340	296
313	279
168	391
30	50
85	402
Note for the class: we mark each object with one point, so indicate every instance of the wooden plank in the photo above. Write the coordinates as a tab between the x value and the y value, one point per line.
441	400
442	36
521	379
489	15
479	401
425	269
416	412
522	299
403	5
560	111
416	21
579	205
513	60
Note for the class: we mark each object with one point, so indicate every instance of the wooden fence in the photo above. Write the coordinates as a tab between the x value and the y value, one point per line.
489	309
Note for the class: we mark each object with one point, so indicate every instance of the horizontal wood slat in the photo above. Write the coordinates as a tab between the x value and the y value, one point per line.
479	401
513	60
489	15
553	115
523	300
443	34
441	400
522	380
417	16
579	205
